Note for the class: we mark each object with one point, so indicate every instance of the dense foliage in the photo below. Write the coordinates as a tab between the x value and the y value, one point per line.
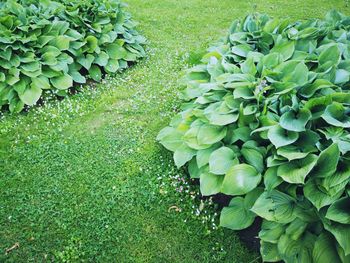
266	120
50	45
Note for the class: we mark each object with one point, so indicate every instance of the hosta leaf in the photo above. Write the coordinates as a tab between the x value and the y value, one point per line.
293	121
62	82
339	211
170	138
253	156
31	95
221	160
275	206
336	116
269	252
236	216
285	49
330	54
327	162
102	59
341	176
203	156
210	134
92	43
271	231
309	90
324	249
317	197
271	179
60	42
341	233
296	171
210	184
112	66
116	51
240	179
95	73
183	154
86	61
41	82
297	250
292	152
281	137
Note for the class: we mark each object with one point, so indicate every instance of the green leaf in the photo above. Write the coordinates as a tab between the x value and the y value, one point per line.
327	162
295	121
341	233
236	216
210	134
335	115
285	49
61	42
31	95
41	82
101	59
183	154
318	197
112	66
269	252
280	137
330	54
221	160
271	231
92	43
295	172
271	179
62	82
210	184
292	152
203	156
339	211
240	179
116	51
324	249
170	138
275	206
95	73
86	61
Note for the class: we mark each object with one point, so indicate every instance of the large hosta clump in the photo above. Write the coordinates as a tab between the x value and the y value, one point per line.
50	45
266	120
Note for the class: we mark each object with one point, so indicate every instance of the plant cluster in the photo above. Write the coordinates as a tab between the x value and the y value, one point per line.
266	120
50	45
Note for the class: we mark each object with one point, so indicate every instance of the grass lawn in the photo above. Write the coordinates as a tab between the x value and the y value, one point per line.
84	180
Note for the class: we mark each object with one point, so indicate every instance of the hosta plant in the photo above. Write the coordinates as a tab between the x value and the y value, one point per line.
266	120
50	45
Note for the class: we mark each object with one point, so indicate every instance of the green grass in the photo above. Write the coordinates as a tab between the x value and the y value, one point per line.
84	180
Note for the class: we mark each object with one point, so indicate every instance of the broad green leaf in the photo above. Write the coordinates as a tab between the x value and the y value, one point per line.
116	51
271	179
271	231
330	54
281	137
236	216
183	154
275	206
295	172
341	233
170	138
62	82
41	82
335	114
86	61
203	156
92	43
339	211
95	73
285	49
240	179
317	197
221	160
269	252
210	184
295	121
112	66
31	95
327	162
210	134
101	59
324	249
253	156
292	152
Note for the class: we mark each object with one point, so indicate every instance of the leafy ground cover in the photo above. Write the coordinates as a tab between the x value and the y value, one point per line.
84	179
263	121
